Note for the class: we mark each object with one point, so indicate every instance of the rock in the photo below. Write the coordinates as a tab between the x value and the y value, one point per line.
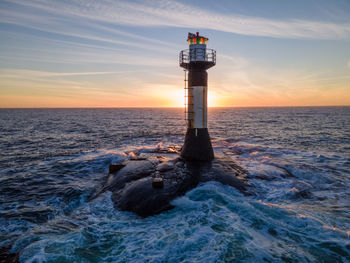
7	256
166	166
147	186
141	198
132	171
157	182
180	164
115	167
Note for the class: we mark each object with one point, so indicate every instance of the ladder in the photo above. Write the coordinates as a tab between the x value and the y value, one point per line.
188	112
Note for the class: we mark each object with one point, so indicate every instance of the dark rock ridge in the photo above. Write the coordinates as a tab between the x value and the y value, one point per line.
7	257
147	183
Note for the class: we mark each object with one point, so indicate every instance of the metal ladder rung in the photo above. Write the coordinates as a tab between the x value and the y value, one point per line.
188	114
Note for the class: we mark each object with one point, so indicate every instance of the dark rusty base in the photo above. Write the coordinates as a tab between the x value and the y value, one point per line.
197	147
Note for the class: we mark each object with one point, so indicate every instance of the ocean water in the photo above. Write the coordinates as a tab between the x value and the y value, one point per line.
52	161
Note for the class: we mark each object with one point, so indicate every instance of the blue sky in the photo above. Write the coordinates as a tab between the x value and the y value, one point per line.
125	53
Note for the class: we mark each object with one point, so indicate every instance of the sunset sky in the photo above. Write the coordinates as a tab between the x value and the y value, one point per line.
84	53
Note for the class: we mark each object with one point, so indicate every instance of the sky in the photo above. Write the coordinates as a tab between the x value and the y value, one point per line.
84	53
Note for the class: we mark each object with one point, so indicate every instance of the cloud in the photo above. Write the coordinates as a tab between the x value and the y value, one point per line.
59	74
20	77
173	14
67	32
60	84
71	27
48	50
24	73
233	62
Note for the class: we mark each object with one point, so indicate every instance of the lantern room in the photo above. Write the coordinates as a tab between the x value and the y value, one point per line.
197	53
198	46
195	39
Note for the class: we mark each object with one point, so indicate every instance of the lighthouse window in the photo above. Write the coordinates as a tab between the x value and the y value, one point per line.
198	40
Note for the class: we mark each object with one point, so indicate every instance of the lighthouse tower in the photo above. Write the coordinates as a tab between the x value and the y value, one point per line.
196	60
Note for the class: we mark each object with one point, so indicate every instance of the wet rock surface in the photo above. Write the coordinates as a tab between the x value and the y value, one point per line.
146	184
7	256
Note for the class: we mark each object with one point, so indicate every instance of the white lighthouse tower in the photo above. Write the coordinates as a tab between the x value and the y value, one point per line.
196	60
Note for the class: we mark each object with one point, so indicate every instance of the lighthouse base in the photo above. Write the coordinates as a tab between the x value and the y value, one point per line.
197	146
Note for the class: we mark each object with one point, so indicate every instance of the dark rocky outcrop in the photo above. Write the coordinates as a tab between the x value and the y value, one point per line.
7	256
147	185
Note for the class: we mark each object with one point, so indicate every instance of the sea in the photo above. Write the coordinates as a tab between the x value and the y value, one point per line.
53	161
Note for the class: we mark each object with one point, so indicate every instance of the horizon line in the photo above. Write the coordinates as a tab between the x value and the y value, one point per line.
223	107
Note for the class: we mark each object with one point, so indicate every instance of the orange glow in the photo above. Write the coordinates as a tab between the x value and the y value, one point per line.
37	93
158	98
164	98
213	99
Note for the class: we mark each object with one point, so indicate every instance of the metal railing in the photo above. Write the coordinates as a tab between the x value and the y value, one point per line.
197	55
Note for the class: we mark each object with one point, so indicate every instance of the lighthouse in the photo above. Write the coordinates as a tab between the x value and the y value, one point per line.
196	60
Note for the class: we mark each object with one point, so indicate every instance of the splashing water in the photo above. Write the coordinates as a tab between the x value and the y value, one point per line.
52	162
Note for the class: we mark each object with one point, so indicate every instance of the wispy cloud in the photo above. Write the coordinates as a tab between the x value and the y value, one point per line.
21	72
234	62
57	83
50	50
81	36
51	80
174	14
65	24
